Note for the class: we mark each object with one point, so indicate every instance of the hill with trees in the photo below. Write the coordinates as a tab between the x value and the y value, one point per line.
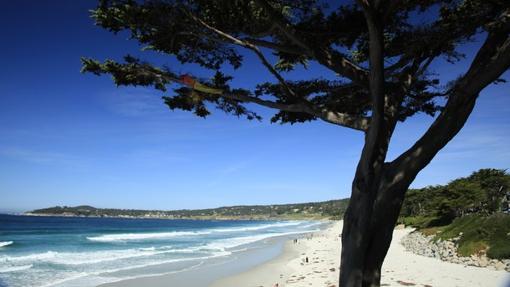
332	209
473	209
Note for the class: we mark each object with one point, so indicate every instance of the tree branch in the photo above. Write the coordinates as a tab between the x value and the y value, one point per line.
274	46
338	63
326	56
353	122
492	60
384	108
283	26
249	46
358	123
376	62
143	74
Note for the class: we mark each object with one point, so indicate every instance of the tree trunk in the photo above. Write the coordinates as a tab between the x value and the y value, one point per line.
368	228
379	188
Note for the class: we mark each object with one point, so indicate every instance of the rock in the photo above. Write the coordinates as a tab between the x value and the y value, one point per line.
483	262
499	265
400	226
446	250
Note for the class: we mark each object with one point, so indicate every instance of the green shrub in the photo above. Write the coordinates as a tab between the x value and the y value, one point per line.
480	233
416	221
471	247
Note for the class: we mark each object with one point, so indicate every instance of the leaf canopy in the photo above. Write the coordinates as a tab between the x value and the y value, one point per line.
296	33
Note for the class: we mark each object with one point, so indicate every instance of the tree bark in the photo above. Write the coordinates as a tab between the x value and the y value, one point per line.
368	229
386	209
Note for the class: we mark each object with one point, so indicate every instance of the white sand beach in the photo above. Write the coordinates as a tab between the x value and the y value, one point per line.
401	268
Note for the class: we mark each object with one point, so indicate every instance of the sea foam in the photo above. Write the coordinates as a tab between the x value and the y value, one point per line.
144	236
15	268
258	227
167	235
229	243
80	258
5	243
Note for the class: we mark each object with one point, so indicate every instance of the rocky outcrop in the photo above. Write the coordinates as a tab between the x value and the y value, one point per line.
446	250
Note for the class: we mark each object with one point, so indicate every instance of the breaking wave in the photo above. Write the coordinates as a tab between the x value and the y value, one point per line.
168	235
15	268
5	243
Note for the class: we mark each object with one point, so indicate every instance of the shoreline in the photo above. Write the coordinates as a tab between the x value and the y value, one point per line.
213	269
284	262
401	267
291	267
263	274
251	266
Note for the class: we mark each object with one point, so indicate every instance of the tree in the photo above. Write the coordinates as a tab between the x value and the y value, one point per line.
495	183
459	198
382	59
482	193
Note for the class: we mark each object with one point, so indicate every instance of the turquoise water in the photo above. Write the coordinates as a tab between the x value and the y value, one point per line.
64	251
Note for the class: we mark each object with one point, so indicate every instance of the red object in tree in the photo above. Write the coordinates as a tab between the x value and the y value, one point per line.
188	80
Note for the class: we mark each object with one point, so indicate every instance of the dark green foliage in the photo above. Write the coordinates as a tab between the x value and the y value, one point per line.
417	221
212	34
328	209
134	72
479	231
481	193
495	183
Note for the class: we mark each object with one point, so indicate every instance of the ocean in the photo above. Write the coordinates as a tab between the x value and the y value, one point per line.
77	252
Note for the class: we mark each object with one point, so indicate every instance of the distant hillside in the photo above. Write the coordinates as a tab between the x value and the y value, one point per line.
333	209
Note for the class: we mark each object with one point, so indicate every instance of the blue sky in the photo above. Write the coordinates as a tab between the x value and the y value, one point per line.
67	138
